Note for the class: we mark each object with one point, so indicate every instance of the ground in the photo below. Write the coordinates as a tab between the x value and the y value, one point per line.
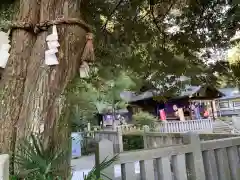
84	164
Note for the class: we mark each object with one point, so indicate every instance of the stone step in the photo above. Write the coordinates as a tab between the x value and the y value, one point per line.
222	128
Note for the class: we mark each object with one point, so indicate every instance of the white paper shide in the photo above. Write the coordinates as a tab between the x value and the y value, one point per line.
84	70
4	48
53	44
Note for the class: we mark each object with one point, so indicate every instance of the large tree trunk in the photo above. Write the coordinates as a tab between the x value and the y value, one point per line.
33	91
12	83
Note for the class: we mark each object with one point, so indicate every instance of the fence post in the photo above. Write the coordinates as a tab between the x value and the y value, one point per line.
88	127
104	151
194	160
145	139
120	139
4	167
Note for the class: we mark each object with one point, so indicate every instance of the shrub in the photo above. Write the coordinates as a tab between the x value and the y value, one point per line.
144	118
132	142
88	145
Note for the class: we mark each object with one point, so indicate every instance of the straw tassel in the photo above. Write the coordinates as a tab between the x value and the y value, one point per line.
88	52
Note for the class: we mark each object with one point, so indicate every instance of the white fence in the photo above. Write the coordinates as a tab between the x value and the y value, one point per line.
203	125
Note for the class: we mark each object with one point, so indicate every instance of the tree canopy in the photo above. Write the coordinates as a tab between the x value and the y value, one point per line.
158	38
155	38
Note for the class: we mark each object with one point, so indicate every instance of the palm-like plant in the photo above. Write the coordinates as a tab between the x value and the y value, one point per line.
35	161
96	172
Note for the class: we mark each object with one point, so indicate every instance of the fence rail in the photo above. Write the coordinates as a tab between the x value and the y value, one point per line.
194	159
203	125
150	139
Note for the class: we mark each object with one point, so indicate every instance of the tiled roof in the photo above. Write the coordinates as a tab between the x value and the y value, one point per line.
132	97
230	93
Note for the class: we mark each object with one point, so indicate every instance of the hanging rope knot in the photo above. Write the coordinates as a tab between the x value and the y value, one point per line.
88	52
43	26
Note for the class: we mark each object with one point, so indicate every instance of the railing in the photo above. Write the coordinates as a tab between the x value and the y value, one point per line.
152	139
128	128
155	140
208	160
204	125
164	126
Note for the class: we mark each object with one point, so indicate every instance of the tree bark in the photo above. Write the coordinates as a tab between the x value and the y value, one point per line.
33	91
14	75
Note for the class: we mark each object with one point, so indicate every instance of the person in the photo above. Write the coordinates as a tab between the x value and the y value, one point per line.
179	113
196	111
162	115
175	109
205	113
186	112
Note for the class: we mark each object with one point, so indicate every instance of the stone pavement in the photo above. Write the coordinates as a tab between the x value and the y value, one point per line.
84	164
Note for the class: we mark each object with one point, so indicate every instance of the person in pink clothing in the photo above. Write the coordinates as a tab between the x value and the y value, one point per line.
205	113
162	115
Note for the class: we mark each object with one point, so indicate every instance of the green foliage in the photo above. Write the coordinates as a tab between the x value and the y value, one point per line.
97	170
36	161
134	36
144	118
97	95
88	145
7	12
85	102
132	142
234	59
13	178
114	87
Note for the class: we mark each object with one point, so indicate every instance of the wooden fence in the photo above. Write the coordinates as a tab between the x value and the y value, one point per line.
193	160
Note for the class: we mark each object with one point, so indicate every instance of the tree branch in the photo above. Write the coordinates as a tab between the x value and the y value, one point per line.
155	21
111	14
163	16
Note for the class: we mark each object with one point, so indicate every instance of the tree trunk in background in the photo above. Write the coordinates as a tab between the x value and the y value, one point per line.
33	91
